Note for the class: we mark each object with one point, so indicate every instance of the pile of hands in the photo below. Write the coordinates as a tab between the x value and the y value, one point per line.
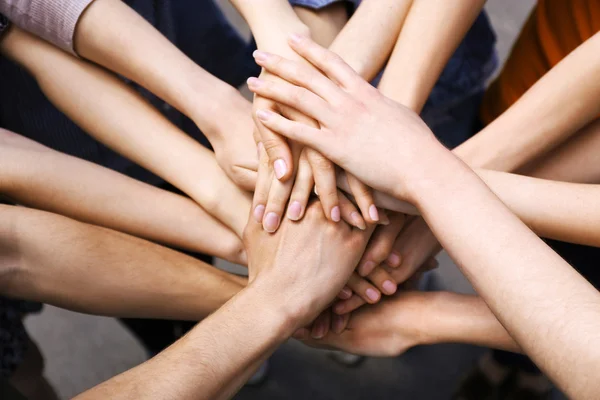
319	126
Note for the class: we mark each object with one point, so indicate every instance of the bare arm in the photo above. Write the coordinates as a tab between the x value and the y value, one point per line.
432	31
119	117
114	36
561	103
39	177
85	268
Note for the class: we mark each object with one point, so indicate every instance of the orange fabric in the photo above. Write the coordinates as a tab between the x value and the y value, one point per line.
554	29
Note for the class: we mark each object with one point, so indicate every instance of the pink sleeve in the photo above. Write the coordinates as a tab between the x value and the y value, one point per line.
52	20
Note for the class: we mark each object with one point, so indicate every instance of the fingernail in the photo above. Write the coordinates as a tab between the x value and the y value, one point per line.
260	55
393	260
389	287
338	323
373	213
271	222
295	38
280	168
263	115
259	212
358	221
384	219
253	82
294	211
335	214
345	293
366	268
319	330
338	308
372	294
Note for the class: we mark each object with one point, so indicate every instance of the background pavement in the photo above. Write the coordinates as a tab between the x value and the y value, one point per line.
82	350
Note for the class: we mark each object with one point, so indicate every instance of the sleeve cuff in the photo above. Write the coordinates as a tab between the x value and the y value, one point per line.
52	20
318	4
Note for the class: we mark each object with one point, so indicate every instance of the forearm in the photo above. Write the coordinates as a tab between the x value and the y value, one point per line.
458	318
324	24
550	112
39	177
119	117
557	210
367	39
270	20
432	31
113	35
94	270
212	361
523	282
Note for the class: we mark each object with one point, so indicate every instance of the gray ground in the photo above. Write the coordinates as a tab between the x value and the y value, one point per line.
82	350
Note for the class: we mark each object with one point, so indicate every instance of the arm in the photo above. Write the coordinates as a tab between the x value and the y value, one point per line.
39	177
85	268
122	120
562	102
218	355
114	36
550	310
408	319
432	31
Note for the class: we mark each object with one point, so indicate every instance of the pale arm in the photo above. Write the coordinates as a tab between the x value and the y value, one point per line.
119	117
36	176
432	31
213	360
562	102
85	268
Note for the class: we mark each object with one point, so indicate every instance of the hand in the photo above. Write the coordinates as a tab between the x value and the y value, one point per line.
304	282
386	329
380	246
234	145
382	143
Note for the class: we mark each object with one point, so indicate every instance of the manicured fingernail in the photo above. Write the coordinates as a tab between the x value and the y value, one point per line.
253	82
271	222
373	213
280	168
294	211
335	214
358	221
338	323
339	308
393	260
389	287
259	212
366	268
319	331
263	115
345	293
295	38
260	55
372	294
315	190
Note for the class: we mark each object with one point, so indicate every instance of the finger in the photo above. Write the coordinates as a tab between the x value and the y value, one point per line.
308	135
263	184
296	97
364	289
300	74
245	178
279	195
327	61
345	293
321	325
364	199
350	213
345	306
339	322
278	150
383	281
381	244
323	172
301	191
302	334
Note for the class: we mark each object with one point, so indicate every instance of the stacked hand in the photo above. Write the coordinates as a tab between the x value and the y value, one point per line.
347	108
